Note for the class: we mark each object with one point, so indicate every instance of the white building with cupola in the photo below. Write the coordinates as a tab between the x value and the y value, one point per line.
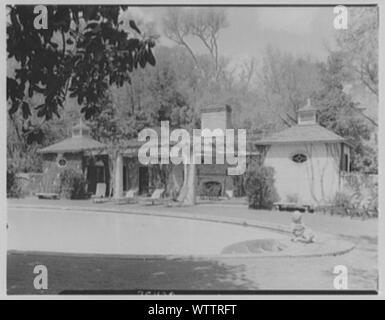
309	160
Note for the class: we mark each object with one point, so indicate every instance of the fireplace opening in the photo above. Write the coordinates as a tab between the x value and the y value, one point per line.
211	189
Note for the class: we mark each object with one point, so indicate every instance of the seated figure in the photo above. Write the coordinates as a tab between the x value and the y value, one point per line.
301	233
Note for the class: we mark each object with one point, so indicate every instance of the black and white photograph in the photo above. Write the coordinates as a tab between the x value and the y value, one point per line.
212	149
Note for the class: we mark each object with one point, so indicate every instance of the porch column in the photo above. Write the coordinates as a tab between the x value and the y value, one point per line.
188	191
191	196
118	190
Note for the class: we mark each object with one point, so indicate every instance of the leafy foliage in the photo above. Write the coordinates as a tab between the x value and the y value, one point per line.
13	188
72	184
358	198
98	63
340	114
342	200
363	190
83	51
359	47
259	186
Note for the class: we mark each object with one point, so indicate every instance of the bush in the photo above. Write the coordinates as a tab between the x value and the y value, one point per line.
239	186
363	189
259	186
72	184
342	199
13	188
353	205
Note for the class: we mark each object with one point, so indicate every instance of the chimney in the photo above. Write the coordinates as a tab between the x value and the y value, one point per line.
216	117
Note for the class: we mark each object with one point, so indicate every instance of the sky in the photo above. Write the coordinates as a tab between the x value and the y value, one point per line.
300	31
297	30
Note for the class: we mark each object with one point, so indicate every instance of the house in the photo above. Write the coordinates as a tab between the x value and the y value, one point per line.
93	159
211	179
309	160
79	152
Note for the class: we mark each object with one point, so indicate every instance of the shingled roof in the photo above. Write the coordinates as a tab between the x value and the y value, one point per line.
73	144
302	133
80	140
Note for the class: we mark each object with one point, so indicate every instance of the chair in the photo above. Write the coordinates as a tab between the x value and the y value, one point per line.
229	194
100	194
47	195
129	197
156	197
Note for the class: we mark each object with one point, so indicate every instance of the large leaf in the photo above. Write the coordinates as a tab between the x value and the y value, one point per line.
133	26
25	110
105	54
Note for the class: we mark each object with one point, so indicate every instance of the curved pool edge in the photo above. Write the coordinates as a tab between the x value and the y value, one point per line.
344	246
349	247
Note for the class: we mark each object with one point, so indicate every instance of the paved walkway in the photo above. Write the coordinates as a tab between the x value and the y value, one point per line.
247	274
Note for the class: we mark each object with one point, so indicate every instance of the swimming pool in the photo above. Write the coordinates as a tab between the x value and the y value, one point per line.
84	232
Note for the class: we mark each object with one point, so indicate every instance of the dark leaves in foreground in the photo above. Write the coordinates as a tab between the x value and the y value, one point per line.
69	57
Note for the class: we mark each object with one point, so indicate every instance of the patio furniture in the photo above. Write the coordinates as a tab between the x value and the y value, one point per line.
229	194
100	194
155	198
48	195
289	206
129	197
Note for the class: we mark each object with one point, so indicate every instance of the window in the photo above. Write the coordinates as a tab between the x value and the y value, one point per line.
307	117
345	163
62	162
299	158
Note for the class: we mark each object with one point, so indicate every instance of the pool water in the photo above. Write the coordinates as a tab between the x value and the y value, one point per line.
82	232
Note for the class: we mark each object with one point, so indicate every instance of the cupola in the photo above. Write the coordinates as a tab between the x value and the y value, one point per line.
80	130
307	114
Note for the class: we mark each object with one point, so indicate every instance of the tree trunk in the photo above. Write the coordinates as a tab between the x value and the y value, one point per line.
189	186
111	167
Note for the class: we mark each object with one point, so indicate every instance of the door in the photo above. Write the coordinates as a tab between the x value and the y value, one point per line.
91	179
143	180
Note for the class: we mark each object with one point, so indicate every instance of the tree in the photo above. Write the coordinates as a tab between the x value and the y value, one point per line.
359	46
285	82
164	93
338	113
22	144
202	23
82	52
153	95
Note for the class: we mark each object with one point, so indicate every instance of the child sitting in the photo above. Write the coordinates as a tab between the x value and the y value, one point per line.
300	232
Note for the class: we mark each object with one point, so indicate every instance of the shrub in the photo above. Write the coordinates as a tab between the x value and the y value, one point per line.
13	187
363	189
342	199
259	186
72	184
354	205
239	186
